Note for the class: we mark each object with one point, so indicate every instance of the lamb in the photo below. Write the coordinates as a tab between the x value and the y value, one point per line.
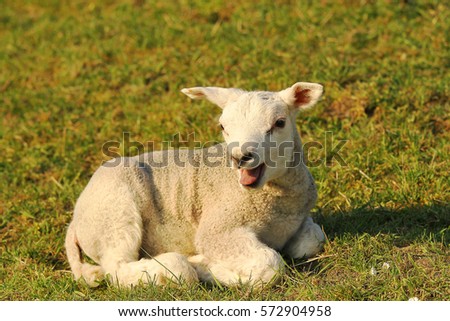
227	215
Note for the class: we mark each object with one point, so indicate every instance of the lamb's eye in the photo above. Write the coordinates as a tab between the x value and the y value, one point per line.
280	123
221	126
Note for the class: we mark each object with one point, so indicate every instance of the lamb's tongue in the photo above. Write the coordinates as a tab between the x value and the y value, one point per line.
249	176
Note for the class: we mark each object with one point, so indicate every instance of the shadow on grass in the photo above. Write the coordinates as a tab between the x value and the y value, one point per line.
407	224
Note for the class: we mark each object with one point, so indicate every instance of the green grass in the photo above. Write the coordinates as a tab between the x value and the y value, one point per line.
75	74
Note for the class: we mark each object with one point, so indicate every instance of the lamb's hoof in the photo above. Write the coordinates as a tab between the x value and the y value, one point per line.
92	274
176	270
307	242
168	269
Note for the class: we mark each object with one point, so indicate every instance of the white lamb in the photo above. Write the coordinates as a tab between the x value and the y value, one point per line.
143	222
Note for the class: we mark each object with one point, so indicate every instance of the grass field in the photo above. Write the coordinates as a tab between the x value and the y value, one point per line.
76	74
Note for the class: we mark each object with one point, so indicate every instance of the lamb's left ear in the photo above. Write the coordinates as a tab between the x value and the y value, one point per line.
302	95
217	95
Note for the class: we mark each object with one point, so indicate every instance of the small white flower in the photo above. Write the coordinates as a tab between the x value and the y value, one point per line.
386	265
373	271
414	299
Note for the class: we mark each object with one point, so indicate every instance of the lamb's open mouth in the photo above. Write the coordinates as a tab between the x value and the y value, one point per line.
251	177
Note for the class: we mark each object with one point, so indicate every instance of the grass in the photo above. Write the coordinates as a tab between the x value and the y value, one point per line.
75	74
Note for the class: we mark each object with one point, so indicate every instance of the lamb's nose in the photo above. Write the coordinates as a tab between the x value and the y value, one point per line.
245	160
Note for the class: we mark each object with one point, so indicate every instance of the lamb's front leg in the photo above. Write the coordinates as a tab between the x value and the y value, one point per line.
235	256
306	242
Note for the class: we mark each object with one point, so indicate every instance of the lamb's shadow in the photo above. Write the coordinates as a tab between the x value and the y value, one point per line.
407	225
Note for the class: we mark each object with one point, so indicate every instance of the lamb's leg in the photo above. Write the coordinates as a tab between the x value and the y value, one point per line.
306	242
92	274
120	258
119	261
161	269
234	257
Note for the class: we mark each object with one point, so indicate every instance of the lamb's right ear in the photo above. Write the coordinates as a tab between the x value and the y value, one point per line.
302	95
217	95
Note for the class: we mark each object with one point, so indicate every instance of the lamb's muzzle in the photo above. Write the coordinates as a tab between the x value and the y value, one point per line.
250	167
246	158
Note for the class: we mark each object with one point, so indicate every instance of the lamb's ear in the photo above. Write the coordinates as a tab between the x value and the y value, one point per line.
217	95
302	95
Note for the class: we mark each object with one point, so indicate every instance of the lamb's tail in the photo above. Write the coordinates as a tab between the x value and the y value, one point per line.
92	274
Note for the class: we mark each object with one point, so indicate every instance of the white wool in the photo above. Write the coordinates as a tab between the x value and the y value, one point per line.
144	223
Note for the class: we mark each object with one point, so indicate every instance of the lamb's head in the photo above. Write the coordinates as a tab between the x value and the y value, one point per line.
259	127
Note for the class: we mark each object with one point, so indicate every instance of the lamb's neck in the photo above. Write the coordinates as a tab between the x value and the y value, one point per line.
293	176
